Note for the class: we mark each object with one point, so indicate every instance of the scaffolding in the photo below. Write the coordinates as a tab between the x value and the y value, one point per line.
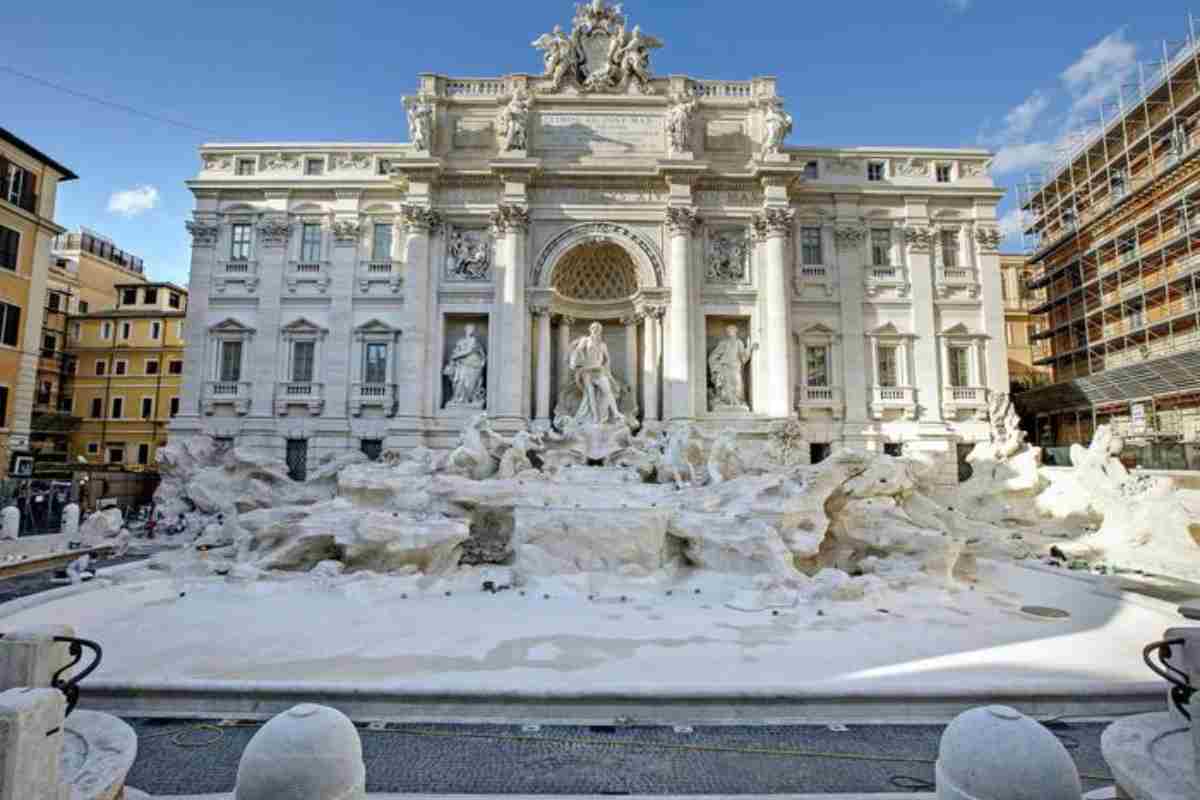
1111	232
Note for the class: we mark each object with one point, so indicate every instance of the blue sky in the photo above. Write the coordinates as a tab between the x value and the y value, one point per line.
1014	76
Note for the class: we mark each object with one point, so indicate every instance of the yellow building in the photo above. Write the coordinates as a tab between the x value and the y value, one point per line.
128	374
1019	324
28	190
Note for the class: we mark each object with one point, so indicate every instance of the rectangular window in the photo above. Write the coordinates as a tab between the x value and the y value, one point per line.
83	307
817	366
231	361
174	406
106	331
381	242
97	408
302	361
143	454
155	330
310	242
49	344
150	296
949	240
881	247
375	370
944	173
66	404
960	366
811	170
54	301
147	407
889	365
3	406
101	368
173	300
20	187
297	459
239	242
120	367
175	367
810	246
245	166
10	333
126	330
876	170
314	166
118	408
10	246
129	297
152	367
93	448
116	453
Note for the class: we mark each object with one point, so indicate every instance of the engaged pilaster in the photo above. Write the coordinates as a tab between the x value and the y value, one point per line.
920	242
511	226
775	226
541	316
420	225
678	391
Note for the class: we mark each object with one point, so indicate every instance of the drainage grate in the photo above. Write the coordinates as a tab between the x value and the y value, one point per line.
1045	612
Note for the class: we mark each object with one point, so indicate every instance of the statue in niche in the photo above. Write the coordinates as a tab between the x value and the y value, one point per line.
777	124
465	371
679	122
591	371
512	122
726	365
420	122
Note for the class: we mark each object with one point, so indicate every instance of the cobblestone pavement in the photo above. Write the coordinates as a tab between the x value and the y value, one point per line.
180	757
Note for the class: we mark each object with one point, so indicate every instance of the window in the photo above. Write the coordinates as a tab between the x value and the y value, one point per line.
310	242
77	331
175	367
1116	183
152	367
375	369
65	405
816	366
303	354
889	365
49	344
93	448
383	167
174	406
811	170
297	459
54	301
881	247
173	300
106	331
10	245
949	242
314	166
120	367
372	448
129	297
118	408
10	331
20	187
97	407
143	454
3	406
876	170
101	368
245	166
239	242
945	173
381	242
150	296
810	246
83	307
116	453
231	361
960	366
126	330
155	330
147	407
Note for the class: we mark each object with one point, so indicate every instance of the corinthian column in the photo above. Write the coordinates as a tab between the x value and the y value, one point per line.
775	224
652	316
679	394
420	223
511	224
632	368
542	315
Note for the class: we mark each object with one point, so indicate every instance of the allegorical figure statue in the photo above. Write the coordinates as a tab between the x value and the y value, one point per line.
560	56
726	364
777	124
465	371
591	370
679	123
420	122
512	122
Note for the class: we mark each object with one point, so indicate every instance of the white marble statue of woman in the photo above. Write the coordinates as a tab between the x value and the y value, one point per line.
513	122
465	371
726	364
420	123
679	123
591	368
777	124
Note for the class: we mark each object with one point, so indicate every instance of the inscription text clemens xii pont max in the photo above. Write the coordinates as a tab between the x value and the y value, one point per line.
600	133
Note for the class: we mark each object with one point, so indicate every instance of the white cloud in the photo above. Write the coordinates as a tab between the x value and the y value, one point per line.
1100	71
1012	223
1024	156
1020	120
133	202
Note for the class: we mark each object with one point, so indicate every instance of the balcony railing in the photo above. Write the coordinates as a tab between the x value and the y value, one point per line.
373	395
902	398
227	393
299	393
239	273
308	273
379	274
950	278
972	398
819	397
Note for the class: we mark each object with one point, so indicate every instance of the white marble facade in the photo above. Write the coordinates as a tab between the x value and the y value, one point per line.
331	282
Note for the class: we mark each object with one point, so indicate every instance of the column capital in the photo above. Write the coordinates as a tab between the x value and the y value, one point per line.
919	238
850	235
563	319
682	220
988	238
510	218
420	218
203	234
774	222
538	310
629	320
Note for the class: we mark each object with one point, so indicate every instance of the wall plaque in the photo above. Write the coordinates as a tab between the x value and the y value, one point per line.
600	133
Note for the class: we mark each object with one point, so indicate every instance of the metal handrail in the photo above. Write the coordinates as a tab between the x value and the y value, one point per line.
1181	687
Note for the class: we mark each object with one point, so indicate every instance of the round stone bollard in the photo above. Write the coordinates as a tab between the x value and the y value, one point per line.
309	752
12	522
998	753
70	521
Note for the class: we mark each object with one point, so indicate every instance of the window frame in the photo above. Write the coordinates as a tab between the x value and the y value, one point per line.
101	367
114	408
6	310
309	246
876	171
375	229
886	234
314	161
146	399
13	237
806	233
946	170
240	247
245	167
148	370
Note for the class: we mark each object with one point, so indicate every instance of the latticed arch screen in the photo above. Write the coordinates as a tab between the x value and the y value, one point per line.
599	271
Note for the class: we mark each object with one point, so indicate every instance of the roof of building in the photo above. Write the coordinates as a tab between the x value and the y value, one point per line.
25	147
151	285
132	313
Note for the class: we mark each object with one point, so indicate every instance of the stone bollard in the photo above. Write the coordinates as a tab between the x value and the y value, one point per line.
998	753
12	522
31	742
30	656
309	752
70	522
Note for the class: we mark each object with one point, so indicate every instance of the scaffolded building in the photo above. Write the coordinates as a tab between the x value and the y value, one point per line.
1113	236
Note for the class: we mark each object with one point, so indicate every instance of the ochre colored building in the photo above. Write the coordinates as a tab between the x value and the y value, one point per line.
29	182
128	373
1019	324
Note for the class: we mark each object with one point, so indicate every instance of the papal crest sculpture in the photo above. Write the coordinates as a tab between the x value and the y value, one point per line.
601	54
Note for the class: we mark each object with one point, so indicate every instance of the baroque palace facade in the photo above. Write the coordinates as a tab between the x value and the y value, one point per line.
378	295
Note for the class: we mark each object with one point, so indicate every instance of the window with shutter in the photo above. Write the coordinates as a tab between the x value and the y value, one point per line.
11	333
10	247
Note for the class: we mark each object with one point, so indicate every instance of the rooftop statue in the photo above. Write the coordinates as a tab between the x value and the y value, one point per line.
600	55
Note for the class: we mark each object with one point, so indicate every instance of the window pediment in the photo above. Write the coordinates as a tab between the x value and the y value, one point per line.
231	327
303	328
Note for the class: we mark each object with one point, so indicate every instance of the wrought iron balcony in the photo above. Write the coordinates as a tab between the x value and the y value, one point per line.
373	395
309	394
229	393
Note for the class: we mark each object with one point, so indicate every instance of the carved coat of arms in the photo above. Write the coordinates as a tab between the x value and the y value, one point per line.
601	54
